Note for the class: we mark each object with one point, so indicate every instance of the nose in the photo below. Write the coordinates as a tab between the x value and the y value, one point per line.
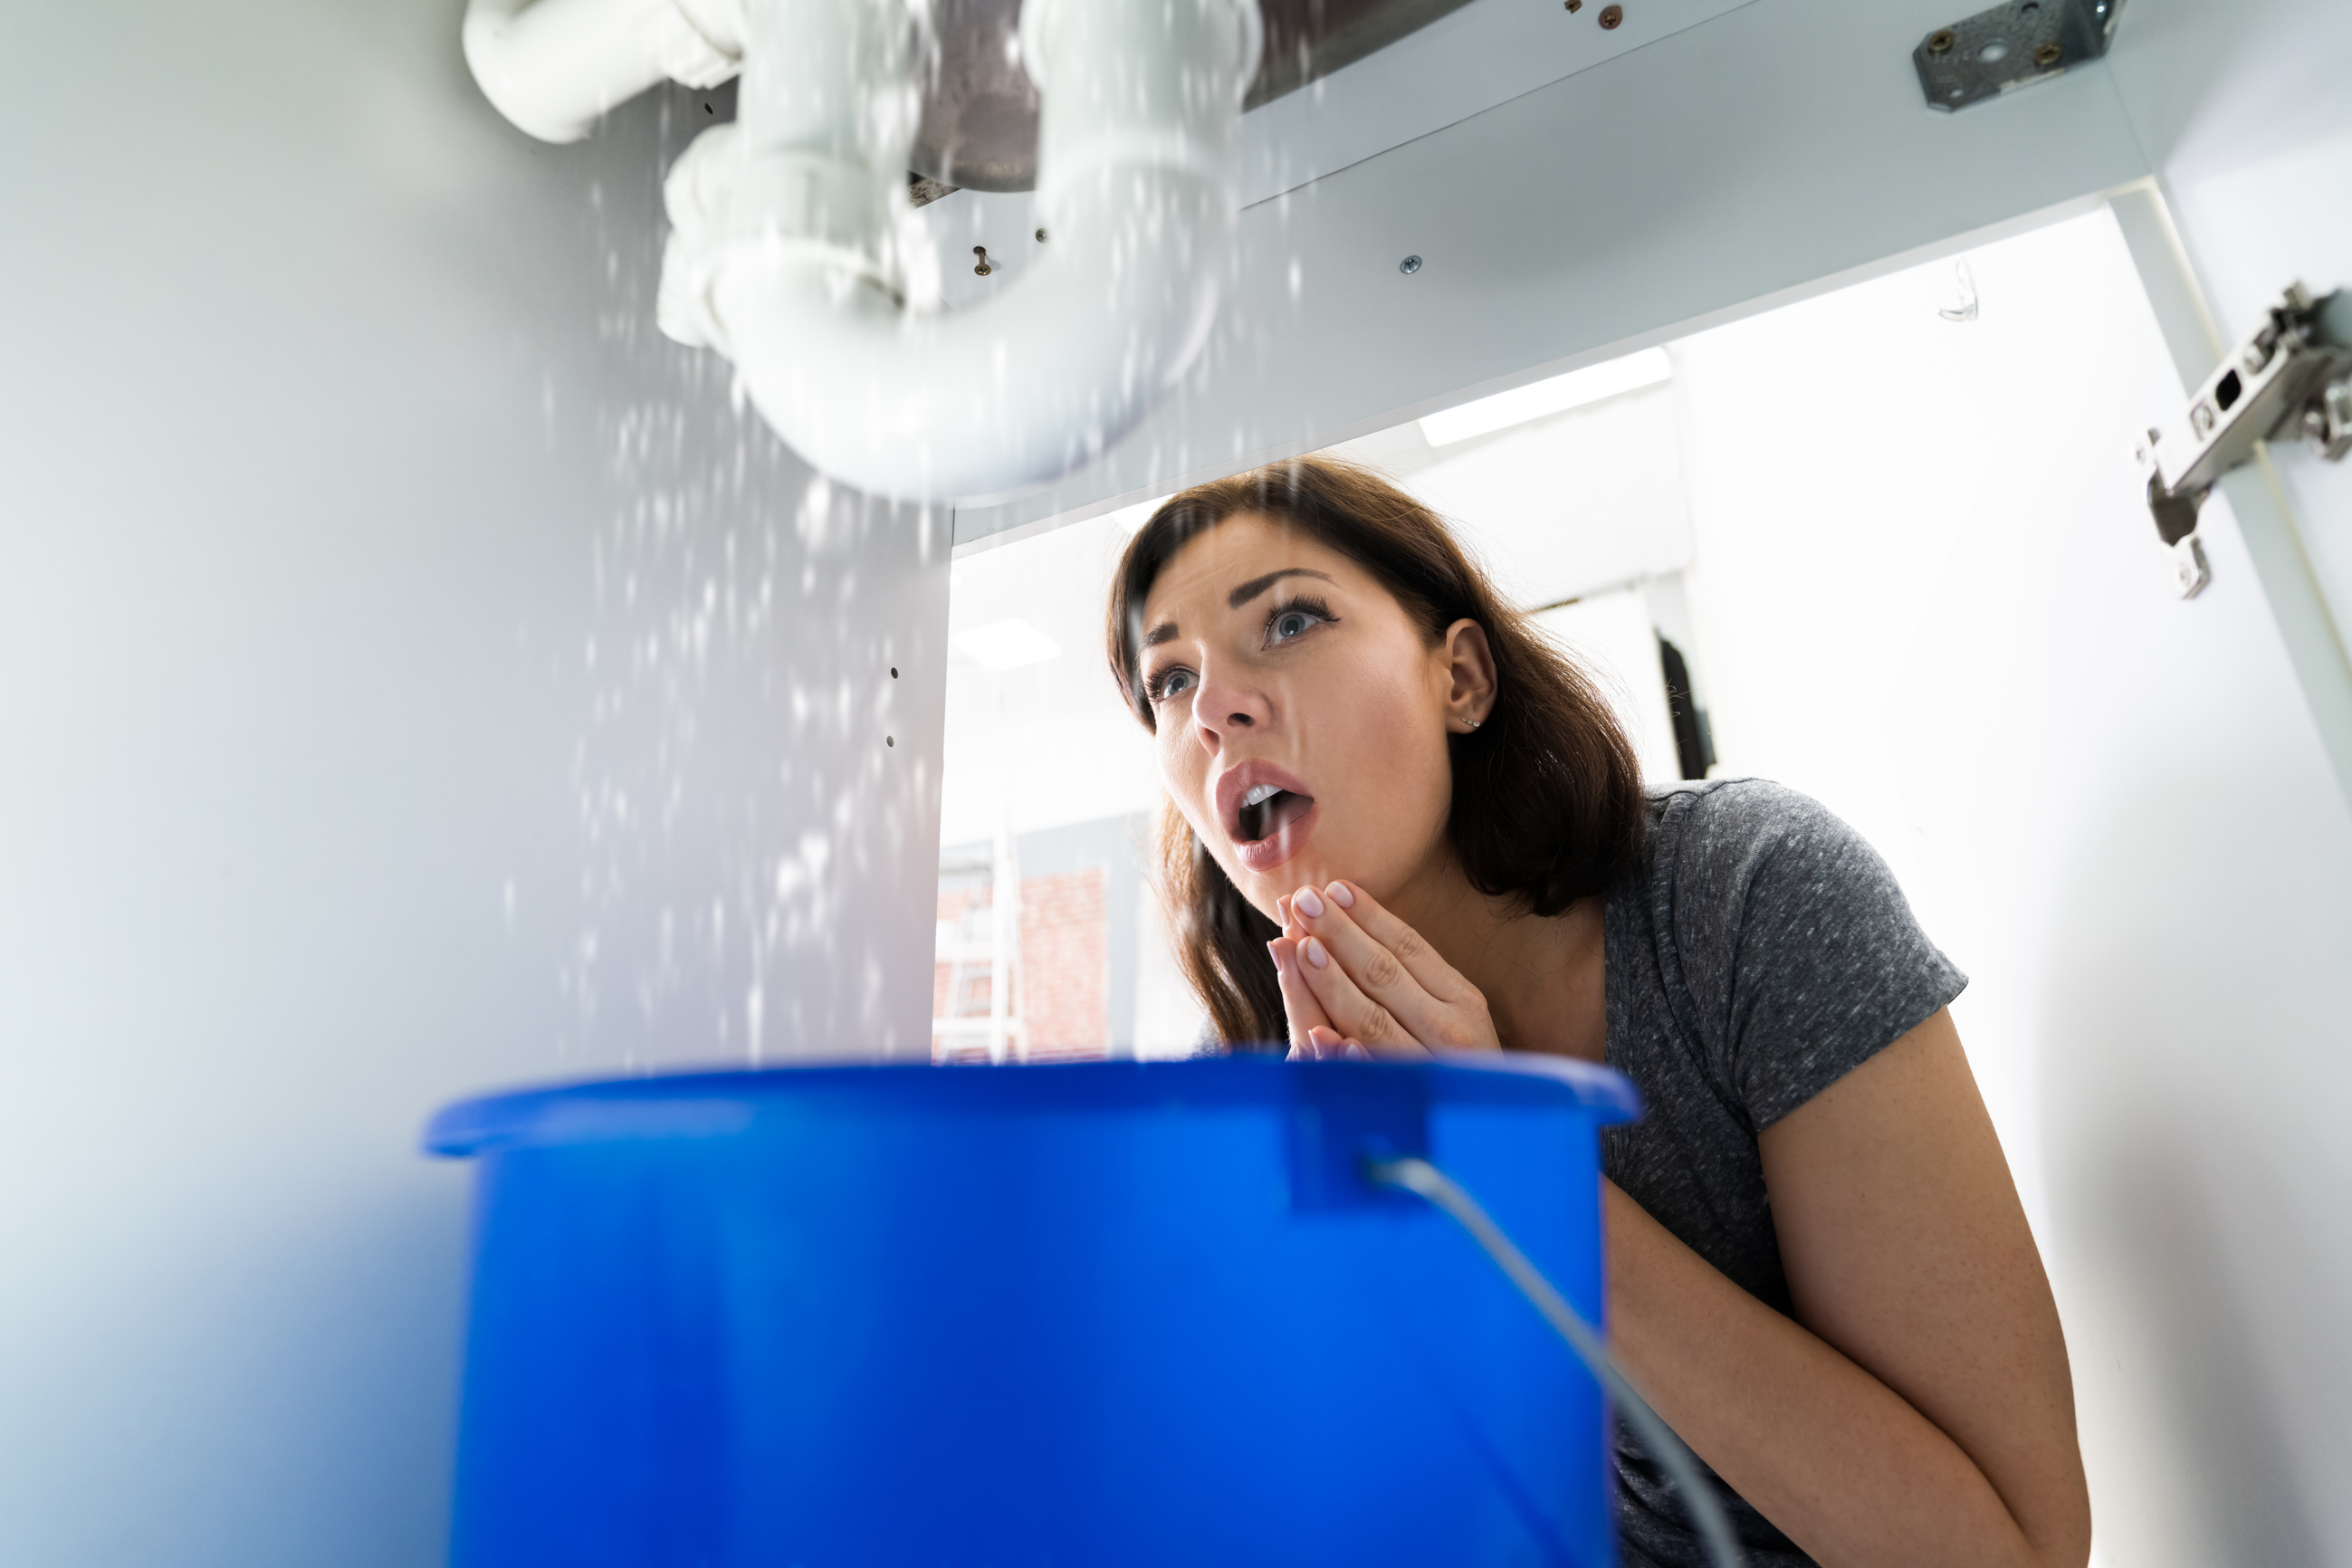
1225	706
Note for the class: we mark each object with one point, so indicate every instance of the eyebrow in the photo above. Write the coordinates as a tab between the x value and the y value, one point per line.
1166	630
1257	586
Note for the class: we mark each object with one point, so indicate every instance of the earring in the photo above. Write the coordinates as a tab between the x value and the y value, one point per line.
1474	723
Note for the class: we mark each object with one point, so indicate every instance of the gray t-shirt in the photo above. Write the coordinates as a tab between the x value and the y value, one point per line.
1761	953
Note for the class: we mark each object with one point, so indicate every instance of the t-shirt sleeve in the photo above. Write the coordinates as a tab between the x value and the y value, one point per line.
1800	959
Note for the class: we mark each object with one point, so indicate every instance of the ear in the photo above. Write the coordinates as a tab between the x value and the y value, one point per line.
1470	667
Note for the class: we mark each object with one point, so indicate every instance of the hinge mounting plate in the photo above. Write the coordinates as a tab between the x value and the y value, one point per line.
2011	46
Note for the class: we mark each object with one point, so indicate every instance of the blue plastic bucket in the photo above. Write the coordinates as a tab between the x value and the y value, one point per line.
1111	1315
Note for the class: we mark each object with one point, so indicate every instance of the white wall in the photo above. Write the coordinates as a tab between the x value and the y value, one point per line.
334	434
1612	638
1928	593
1054	739
1559	507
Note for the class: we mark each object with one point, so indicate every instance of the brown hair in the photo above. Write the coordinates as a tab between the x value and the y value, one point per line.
1548	803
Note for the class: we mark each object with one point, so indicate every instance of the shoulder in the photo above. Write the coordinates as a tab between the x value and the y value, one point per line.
1797	951
1724	833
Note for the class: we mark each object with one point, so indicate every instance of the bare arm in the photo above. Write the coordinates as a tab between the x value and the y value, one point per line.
1919	1409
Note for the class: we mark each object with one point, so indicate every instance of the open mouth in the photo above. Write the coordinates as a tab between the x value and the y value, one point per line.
1267	811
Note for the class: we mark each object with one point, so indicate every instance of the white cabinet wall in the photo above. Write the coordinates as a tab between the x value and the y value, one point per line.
415	676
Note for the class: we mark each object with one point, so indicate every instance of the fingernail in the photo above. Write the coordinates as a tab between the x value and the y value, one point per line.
1274	951
1340	896
1282	906
1357	1053
1293	1055
1306	903
1315	955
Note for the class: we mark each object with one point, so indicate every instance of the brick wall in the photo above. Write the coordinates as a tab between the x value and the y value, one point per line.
1064	965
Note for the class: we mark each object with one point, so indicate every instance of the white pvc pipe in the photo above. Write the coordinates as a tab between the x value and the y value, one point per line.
553	67
782	253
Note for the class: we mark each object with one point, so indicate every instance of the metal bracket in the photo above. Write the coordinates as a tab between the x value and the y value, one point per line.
2291	379
2012	46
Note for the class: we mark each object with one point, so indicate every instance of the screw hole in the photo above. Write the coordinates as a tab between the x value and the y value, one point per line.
1041	236
2047	56
894	672
1610	16
1409	265
889	740
1575	6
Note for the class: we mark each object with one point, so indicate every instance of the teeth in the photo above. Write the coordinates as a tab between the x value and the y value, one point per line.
1260	793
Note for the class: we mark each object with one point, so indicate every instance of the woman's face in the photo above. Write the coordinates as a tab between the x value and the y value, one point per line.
1302	718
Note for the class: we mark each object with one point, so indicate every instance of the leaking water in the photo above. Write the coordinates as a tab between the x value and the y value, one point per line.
755	794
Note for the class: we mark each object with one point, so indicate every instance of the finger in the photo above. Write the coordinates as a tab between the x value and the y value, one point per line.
1456	1020
1356	1015
1420	958
1328	1046
1300	1009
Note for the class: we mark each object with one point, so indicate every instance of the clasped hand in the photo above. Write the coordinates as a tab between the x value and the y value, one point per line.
1358	982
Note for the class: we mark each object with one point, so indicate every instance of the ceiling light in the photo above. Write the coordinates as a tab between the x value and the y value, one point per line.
1556	395
1008	644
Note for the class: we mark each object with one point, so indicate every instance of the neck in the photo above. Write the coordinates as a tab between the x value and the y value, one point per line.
1542	975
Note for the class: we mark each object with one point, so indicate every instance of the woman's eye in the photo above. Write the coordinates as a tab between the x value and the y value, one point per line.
1173	683
1290	624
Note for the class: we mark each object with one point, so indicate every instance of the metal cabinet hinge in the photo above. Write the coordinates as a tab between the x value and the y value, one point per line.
2291	379
2012	46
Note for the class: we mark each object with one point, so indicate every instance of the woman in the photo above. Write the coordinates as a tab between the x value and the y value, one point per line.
1401	821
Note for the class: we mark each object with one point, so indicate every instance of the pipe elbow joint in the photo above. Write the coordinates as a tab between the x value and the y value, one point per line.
554	66
978	404
782	253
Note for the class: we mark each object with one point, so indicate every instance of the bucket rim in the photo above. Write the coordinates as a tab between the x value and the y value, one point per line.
721	1102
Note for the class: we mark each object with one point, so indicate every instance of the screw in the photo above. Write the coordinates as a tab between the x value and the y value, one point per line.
1041	236
889	740
1610	16
1575	6
2336	406
981	267
1409	265
894	672
2048	55
1941	40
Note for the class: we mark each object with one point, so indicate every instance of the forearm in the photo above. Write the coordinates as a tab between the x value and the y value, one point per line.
1833	1456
